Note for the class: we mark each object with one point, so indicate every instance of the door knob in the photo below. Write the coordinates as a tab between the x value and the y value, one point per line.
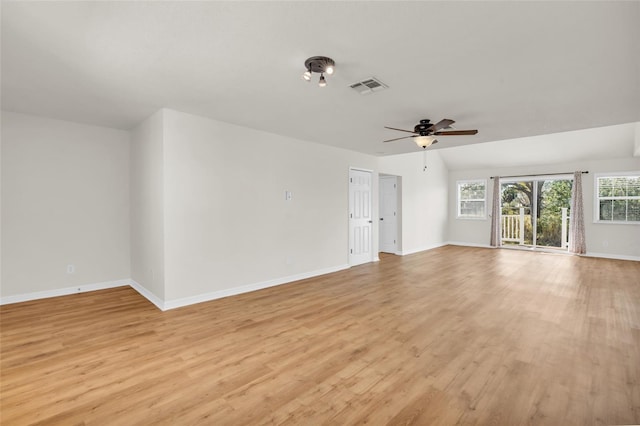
370	221
382	218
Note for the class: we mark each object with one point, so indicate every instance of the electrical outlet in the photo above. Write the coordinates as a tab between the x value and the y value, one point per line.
71	269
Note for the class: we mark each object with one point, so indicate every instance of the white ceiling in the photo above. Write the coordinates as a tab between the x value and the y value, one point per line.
509	69
602	143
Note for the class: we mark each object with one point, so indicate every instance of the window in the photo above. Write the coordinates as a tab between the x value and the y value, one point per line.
618	198
472	199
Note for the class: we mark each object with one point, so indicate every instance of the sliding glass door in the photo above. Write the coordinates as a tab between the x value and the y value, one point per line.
535	212
552	221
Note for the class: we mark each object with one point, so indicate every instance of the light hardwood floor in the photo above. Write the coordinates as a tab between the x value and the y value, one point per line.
454	335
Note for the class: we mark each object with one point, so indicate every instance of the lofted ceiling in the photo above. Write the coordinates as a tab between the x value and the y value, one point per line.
508	69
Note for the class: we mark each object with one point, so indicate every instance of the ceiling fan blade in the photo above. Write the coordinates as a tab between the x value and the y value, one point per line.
457	133
397	139
442	124
400	130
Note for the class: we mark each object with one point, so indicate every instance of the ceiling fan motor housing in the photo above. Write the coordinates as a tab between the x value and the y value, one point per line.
423	129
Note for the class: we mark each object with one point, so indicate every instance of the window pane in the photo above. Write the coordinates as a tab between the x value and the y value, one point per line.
471	191
605	187
464	192
619	210
633	186
606	207
472	208
633	211
619	187
477	193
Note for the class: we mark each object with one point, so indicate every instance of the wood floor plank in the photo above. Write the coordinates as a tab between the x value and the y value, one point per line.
454	335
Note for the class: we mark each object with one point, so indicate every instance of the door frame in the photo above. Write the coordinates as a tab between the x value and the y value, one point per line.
374	227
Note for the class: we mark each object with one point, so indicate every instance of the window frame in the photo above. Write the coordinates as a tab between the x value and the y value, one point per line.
597	198
458	200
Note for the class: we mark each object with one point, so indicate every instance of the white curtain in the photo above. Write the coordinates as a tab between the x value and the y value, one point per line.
577	243
496	238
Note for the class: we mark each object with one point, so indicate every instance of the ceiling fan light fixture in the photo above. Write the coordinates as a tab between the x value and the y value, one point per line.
329	69
307	75
424	141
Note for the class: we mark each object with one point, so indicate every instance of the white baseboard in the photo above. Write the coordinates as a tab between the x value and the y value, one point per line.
588	254
419	249
63	291
185	301
177	303
170	304
147	295
612	256
458	243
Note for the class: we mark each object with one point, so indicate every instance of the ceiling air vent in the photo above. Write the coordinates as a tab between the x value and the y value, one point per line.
368	85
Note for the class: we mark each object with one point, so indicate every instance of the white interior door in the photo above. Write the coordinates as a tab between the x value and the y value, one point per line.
360	218
388	226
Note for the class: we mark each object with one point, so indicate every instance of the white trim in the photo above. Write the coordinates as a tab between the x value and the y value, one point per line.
419	249
186	301
205	297
588	254
538	249
463	244
150	296
170	304
612	256
360	169
17	298
614	222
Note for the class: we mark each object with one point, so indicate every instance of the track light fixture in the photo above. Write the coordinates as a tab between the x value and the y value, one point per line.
321	65
323	81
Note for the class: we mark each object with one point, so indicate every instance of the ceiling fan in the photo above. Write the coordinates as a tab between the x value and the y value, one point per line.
425	132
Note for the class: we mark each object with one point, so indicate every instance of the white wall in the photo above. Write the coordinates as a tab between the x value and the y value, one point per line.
424	198
636	145
227	223
206	213
65	200
147	205
602	149
609	240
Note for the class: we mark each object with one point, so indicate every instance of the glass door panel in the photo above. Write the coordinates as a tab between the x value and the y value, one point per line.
517	205
552	219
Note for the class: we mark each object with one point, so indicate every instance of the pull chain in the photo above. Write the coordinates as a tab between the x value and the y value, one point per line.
424	160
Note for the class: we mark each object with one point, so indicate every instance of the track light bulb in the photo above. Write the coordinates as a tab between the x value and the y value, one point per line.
307	75
322	82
